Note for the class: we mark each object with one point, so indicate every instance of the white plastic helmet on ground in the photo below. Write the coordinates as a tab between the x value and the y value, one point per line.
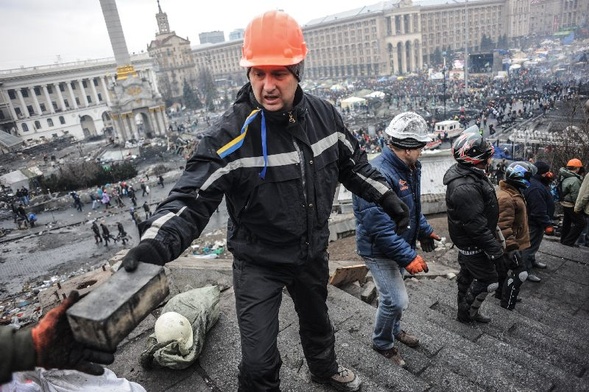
172	326
408	130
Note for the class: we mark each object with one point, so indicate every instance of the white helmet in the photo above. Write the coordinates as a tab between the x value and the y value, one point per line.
408	130
172	326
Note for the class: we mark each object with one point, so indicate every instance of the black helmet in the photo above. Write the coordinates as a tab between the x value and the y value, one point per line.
471	148
519	173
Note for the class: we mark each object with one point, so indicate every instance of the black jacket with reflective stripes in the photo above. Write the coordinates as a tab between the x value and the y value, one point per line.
282	218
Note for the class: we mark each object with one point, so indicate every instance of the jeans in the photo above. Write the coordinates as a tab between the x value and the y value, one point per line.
392	300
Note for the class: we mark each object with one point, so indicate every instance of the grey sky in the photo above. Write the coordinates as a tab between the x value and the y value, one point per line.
41	32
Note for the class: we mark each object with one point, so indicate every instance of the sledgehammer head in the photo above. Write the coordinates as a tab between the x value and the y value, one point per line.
111	311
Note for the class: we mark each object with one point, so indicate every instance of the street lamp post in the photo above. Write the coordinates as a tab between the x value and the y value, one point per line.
444	85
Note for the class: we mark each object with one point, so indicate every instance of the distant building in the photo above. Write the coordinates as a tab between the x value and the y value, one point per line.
174	63
236	34
70	99
211	37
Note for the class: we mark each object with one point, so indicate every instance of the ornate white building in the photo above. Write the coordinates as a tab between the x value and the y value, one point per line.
72	99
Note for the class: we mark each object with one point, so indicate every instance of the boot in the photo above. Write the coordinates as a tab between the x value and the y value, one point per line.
481	318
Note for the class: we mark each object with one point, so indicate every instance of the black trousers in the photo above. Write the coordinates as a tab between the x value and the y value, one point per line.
258	295
477	276
529	255
572	226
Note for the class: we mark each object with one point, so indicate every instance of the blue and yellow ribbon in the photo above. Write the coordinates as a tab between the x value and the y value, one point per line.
236	143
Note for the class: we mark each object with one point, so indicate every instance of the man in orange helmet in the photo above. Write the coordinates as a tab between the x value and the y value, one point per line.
570	182
277	156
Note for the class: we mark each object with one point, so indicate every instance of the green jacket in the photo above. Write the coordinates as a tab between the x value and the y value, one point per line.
18	352
571	183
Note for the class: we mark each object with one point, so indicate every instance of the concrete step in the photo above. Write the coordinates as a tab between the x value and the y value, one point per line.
524	340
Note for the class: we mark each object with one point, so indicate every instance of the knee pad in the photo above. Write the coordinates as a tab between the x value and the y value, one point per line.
523	276
492	287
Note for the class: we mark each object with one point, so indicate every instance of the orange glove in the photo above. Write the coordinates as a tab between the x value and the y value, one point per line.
417	265
549	230
55	345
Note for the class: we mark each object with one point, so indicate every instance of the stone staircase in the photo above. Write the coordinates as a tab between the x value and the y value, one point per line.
543	345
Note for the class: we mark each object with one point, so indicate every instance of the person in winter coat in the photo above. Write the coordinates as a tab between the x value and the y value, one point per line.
50	344
106	234
105	200
277	156
572	223
386	249
96	230
513	223
540	208
122	233
146	209
473	212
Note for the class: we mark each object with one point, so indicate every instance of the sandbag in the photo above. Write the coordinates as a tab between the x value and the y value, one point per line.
201	307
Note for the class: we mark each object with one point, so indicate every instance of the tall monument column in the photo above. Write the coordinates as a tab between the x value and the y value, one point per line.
117	39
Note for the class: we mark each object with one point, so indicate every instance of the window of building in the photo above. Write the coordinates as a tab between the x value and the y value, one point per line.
37	90
54	105
61	87
99	97
67	104
12	94
25	127
30	110
25	92
18	112
73	86
37	124
2	117
89	99
50	89
61	120
42	105
49	122
95	81
77	101
84	84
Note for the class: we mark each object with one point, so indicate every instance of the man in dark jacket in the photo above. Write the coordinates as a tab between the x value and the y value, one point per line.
387	250
472	223
50	344
540	205
277	156
96	230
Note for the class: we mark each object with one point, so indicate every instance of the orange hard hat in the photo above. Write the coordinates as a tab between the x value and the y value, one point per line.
575	163
273	38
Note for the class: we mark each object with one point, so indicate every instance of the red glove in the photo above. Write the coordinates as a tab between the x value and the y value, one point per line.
549	230
416	266
55	345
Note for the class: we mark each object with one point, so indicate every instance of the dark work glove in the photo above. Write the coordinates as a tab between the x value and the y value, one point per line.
148	251
56	347
396	209
428	244
514	258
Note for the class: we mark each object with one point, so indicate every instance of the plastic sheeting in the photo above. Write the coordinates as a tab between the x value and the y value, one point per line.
69	381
